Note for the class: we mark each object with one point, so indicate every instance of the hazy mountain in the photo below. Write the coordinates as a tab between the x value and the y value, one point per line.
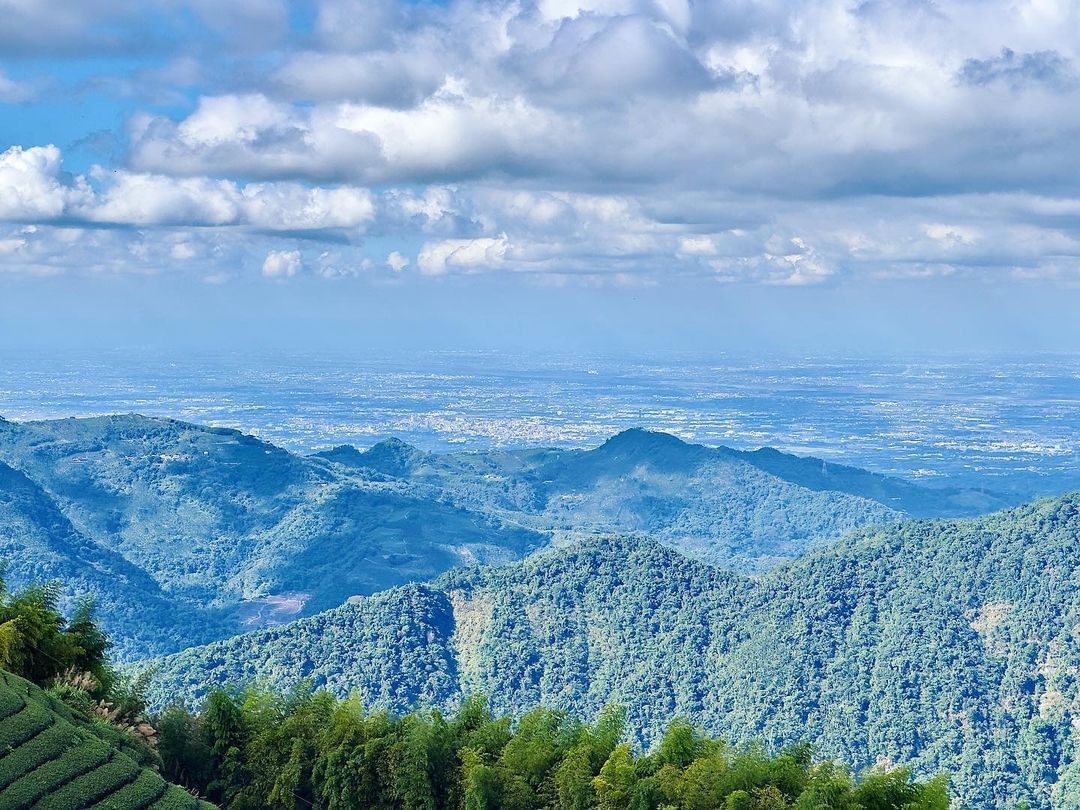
163	520
951	644
744	510
189	533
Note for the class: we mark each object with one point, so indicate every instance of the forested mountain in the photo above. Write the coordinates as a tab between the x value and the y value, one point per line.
950	644
75	734
187	534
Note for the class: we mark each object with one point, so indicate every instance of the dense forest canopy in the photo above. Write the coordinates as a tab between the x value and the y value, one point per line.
187	534
254	749
68	740
948	645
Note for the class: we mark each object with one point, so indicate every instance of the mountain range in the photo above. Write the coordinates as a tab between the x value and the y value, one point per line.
947	644
187	534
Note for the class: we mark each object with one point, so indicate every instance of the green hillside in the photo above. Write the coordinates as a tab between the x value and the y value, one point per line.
51	758
948	644
188	534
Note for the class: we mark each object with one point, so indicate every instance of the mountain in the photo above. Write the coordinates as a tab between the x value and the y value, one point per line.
182	531
39	543
52	757
743	510
950	644
187	534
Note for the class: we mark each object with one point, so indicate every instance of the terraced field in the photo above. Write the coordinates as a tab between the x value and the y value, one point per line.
52	760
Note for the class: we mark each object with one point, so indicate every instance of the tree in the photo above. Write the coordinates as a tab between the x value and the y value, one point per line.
574	780
226	735
615	782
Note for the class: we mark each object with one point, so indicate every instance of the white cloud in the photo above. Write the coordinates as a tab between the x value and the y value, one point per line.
396	262
30	187
13	92
955	234
282	264
697	246
144	199
33	188
288	206
449	133
463	255
184	251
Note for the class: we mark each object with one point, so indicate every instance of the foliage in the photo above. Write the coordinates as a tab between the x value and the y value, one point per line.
188	534
948	645
309	750
53	757
38	643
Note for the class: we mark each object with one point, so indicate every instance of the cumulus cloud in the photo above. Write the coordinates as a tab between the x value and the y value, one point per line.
282	264
774	142
449	133
33	187
463	255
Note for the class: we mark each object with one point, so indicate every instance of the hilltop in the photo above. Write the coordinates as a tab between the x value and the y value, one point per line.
946	643
187	533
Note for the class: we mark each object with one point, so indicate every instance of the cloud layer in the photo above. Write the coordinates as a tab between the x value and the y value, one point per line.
623	140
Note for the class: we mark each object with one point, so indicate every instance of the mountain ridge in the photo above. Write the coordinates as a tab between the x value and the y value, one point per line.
947	643
219	531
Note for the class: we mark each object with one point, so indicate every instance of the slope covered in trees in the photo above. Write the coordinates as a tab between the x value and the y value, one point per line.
181	530
73	735
259	750
947	644
187	534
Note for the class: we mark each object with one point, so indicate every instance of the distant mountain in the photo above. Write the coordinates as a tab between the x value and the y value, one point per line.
744	510
951	644
188	533
184	531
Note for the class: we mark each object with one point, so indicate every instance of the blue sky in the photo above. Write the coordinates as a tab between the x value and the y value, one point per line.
609	174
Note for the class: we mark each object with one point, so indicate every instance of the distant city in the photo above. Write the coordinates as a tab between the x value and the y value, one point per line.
1008	424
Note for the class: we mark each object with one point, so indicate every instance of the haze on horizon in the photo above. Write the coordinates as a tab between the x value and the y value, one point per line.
615	175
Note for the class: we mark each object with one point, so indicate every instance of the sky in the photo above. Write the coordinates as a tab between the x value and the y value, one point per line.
540	174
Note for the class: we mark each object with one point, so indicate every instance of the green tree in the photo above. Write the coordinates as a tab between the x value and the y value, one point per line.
615	782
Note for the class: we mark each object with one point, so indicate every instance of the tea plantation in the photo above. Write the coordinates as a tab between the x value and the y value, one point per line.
53	760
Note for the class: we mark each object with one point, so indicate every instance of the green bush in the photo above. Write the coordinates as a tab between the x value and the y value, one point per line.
10	702
40	782
35	752
177	799
90	787
143	792
17	729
